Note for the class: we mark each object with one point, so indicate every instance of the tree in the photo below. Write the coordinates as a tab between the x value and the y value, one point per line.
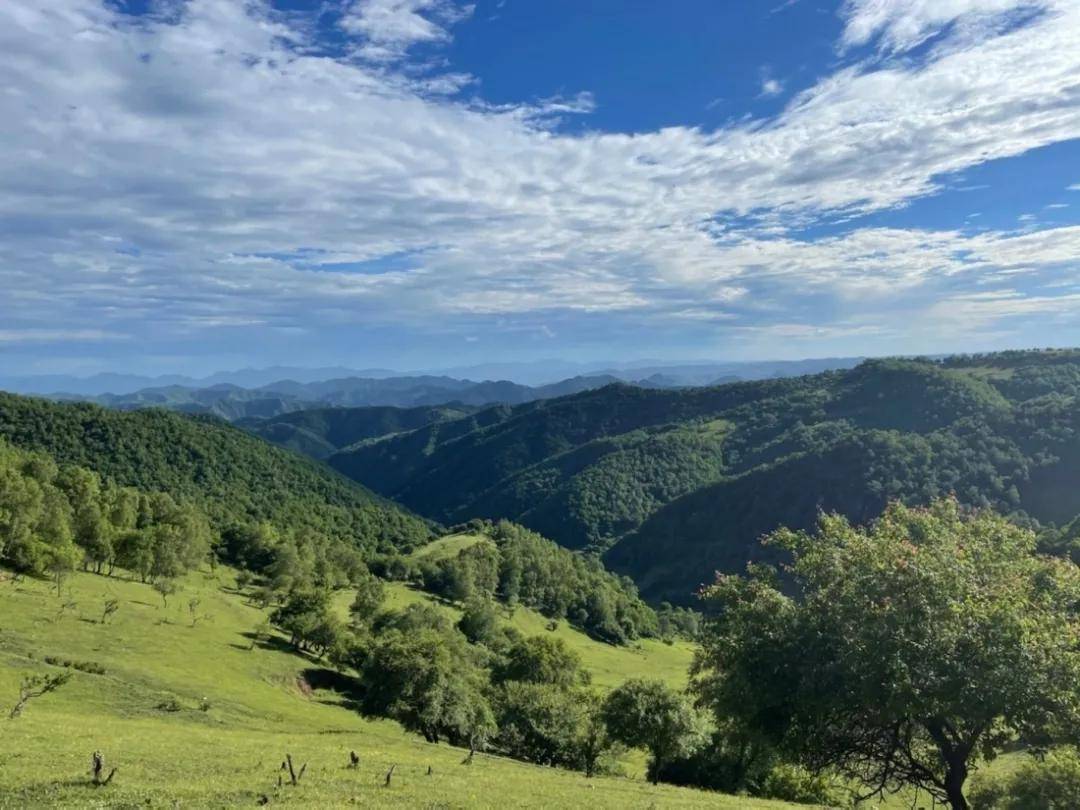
538	659
479	621
92	529
538	722
913	647
591	739
426	680
650	714
305	616
165	588
370	594
35	686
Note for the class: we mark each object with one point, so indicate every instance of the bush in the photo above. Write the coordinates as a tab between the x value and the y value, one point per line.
479	622
91	667
169	705
1052	783
791	783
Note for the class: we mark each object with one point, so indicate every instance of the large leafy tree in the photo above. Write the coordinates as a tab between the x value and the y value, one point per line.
650	714
907	650
426	679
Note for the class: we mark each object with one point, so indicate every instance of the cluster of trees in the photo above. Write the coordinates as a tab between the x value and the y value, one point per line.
54	519
285	561
516	566
480	684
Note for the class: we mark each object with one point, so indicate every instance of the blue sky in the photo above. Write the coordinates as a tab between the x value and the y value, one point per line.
194	185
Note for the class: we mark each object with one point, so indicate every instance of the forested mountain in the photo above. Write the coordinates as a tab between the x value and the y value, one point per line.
319	432
233	402
672	485
235	478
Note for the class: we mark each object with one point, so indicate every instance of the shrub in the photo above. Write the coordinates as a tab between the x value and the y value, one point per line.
1052	783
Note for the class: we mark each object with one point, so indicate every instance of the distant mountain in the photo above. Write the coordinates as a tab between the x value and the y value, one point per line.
538	372
119	384
233	402
673	484
526	373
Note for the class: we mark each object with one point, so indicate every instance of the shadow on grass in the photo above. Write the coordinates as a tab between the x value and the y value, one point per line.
345	687
263	641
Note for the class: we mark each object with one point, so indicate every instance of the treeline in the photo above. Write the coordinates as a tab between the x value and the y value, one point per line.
520	567
56	519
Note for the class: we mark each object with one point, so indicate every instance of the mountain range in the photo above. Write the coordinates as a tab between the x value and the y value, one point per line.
534	373
233	402
671	485
666	484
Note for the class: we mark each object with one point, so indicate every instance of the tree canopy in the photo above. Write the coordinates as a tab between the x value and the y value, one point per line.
900	653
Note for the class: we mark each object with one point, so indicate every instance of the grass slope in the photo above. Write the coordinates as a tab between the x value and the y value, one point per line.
260	709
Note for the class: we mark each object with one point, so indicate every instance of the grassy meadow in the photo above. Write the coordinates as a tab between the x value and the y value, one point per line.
192	713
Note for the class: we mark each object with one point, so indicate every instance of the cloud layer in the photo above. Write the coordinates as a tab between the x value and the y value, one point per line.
211	167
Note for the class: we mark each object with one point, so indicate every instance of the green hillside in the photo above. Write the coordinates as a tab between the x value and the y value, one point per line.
199	716
319	432
232	476
672	485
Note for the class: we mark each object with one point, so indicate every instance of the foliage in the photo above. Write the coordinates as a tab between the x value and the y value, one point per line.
913	648
232	477
651	715
671	485
536	573
52	520
427	680
479	621
519	567
1048	783
370	595
307	619
541	660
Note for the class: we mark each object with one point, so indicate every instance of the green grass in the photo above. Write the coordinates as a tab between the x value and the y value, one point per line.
260	709
446	547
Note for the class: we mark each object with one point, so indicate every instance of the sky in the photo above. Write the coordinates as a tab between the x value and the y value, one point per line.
196	185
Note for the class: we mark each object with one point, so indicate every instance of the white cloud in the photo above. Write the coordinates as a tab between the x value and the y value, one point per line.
207	170
771	87
900	25
390	27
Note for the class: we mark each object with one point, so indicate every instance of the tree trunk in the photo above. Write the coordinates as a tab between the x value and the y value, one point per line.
955	776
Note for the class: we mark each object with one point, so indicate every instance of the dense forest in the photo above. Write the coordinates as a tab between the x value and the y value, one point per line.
319	432
233	477
670	485
288	521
